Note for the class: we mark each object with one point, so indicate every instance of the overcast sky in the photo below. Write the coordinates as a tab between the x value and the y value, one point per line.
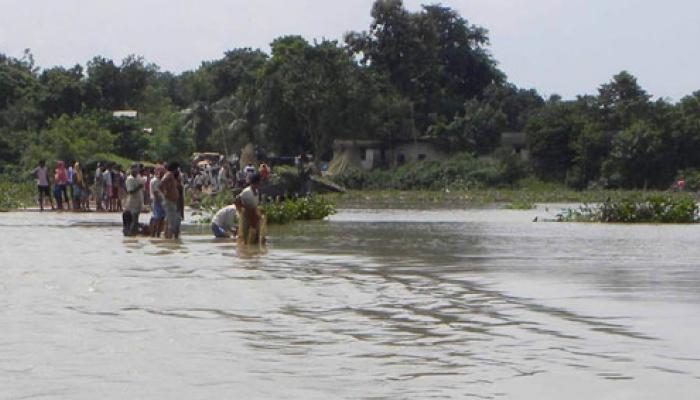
567	47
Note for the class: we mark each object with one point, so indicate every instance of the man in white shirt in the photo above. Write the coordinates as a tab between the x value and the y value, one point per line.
134	199
225	222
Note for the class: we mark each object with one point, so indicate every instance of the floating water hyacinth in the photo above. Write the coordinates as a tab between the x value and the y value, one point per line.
652	208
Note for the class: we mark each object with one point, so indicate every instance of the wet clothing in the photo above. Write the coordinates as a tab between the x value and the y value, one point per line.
134	196
168	186
249	198
249	216
172	217
218	231
224	221
158	213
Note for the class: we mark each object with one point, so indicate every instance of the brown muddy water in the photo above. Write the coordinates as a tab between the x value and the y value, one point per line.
383	304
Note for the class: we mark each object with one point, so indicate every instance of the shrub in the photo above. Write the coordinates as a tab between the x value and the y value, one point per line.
302	208
653	208
14	195
277	212
460	172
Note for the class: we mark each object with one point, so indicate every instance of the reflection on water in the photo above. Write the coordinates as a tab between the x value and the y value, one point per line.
373	304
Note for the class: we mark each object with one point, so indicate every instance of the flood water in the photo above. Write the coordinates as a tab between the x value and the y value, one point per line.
390	304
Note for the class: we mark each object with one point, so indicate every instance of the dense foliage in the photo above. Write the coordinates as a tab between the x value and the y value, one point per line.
460	172
14	195
425	73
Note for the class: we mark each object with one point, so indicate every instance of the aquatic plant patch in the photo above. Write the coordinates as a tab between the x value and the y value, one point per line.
652	208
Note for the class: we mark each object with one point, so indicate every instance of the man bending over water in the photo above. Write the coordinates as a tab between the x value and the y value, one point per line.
247	201
224	223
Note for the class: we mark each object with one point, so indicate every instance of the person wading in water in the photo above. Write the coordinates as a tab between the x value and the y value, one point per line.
247	202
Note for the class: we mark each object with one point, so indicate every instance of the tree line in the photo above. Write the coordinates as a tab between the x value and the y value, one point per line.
427	73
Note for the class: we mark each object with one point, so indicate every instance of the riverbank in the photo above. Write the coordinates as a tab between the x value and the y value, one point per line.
17	196
480	198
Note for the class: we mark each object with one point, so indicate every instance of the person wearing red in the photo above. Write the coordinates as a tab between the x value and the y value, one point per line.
60	181
264	172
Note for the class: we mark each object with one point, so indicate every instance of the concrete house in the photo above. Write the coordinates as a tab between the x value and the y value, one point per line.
370	154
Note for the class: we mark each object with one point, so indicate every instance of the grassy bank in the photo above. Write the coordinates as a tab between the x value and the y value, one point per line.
16	195
462	181
524	198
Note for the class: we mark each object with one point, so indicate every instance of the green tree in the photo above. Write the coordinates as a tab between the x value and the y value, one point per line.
685	127
64	91
103	86
434	57
591	148
641	157
305	93
74	138
551	133
238	67
171	140
516	104
477	131
622	102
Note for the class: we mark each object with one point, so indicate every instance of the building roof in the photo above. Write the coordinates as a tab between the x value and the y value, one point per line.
125	114
357	143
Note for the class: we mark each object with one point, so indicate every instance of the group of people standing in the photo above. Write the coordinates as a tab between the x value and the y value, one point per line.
71	190
166	195
206	178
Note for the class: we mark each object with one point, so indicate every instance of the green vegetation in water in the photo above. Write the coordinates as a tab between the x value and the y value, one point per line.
652	208
277	212
298	209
